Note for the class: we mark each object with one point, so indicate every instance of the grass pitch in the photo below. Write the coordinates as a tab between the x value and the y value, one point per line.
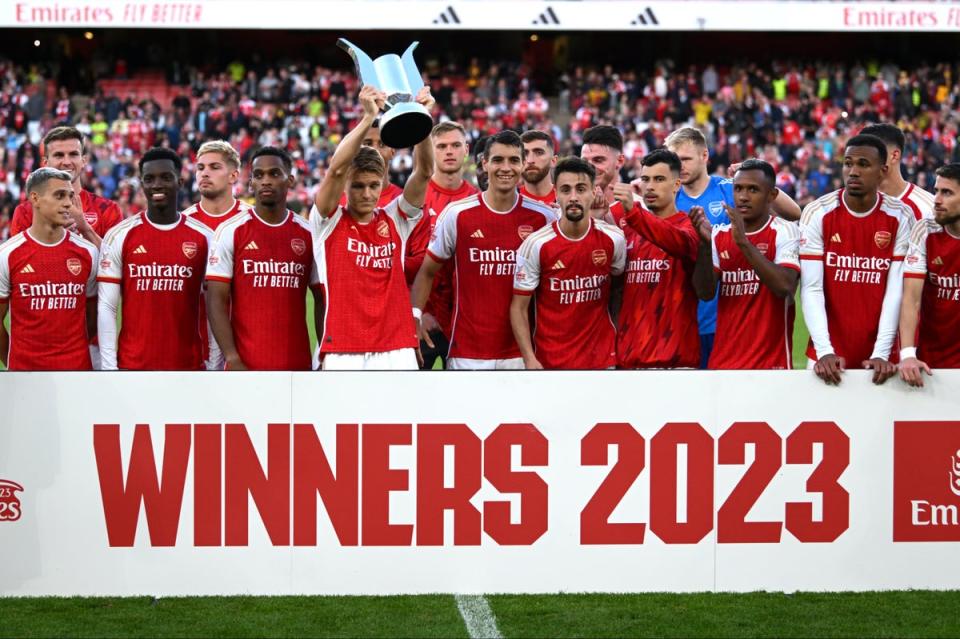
889	614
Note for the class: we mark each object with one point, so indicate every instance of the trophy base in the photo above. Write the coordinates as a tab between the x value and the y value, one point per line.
404	125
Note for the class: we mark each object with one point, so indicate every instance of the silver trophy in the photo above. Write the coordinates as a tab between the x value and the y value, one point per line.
404	122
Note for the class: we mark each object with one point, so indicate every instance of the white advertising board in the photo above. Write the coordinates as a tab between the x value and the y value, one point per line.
495	15
382	483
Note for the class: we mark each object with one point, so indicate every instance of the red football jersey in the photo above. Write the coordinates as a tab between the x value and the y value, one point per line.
440	303
101	214
269	268
160	271
658	319
754	326
857	250
934	255
361	269
920	202
212	221
550	199
483	244
47	287
571	280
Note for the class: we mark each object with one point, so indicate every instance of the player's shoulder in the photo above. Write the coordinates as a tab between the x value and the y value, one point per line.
820	207
229	227
784	227
301	222
122	229
198	226
923	229
12	244
455	208
721	182
542	235
193	209
921	195
534	205
610	230
81	243
897	208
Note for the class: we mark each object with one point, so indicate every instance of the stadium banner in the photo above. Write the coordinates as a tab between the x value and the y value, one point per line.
517	15
381	483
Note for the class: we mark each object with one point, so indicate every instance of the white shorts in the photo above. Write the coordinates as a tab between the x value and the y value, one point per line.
402	359
464	364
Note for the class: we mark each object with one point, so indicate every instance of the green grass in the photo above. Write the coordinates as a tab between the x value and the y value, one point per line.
427	616
874	614
892	614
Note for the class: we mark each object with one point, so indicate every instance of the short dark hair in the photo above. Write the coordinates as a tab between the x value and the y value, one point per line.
507	138
533	136
60	133
573	164
889	133
865	139
605	135
276	152
368	160
161	153
766	168
662	156
950	171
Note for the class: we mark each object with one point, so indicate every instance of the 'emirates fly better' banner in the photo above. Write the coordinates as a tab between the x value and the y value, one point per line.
376	483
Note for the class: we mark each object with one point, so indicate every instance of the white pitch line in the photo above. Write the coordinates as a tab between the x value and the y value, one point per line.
478	617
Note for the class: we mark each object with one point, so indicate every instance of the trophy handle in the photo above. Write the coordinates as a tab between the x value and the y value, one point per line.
366	72
414	79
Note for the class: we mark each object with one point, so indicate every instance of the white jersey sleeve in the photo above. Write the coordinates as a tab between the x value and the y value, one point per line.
5	273
714	253
404	215
110	267
788	243
916	260
443	244
526	277
220	261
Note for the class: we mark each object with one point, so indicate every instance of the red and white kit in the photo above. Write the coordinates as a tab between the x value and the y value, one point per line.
852	283
157	271
754	326
934	256
212	221
571	281
483	244
47	286
99	212
269	267
920	202
361	270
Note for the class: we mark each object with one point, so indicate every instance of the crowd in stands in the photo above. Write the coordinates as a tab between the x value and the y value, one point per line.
795	116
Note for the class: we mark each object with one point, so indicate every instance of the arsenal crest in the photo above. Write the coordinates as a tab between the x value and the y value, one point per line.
524	230
91	217
74	266
762	247
189	249
383	229
298	246
599	257
882	239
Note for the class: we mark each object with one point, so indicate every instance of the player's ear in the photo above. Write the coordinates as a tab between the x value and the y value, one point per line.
773	195
291	180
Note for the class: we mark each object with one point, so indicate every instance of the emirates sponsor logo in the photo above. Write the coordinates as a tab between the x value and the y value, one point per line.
882	239
9	502
478	234
140	250
91	217
937	261
27	269
74	266
251	246
559	265
299	246
524	230
835	238
383	229
599	257
189	249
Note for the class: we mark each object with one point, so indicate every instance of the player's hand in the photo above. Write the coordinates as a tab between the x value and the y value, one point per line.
429	323
829	368
599	207
736	224
425	98
423	334
234	363
636	185
733	168
698	218
371	100
912	370
79	223
882	369
623	193
532	363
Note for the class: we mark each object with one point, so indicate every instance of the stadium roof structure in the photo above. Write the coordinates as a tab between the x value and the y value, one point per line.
499	15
